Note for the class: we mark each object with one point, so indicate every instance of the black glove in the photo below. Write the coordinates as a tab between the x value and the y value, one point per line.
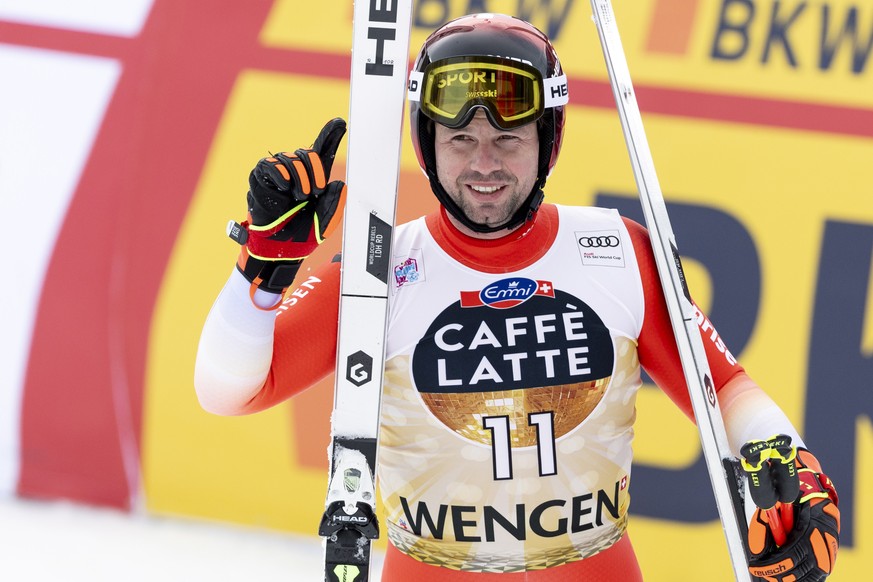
290	204
810	550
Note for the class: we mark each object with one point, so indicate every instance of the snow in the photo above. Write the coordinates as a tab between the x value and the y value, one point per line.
71	542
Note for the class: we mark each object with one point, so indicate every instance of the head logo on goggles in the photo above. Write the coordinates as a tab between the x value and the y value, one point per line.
513	93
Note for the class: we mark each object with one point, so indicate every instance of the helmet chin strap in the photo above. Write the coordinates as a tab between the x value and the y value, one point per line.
524	212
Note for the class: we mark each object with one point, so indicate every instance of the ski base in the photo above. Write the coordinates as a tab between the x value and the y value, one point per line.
348	558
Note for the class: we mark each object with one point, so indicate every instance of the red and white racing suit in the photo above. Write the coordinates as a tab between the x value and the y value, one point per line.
511	375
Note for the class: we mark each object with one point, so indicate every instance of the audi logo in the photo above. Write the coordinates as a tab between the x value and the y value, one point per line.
596	242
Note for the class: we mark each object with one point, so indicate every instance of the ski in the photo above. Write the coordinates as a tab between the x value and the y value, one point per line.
726	478
380	56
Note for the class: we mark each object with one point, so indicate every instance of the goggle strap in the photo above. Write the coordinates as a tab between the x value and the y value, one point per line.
416	81
556	91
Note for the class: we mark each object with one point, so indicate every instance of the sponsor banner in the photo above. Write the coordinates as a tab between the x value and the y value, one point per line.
781	63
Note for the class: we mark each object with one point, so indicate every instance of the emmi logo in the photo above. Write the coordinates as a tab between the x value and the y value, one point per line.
507	293
386	14
801	34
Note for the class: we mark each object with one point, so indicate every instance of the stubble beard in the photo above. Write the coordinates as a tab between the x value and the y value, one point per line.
489	213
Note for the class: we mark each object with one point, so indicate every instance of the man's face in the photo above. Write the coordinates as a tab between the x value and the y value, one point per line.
488	172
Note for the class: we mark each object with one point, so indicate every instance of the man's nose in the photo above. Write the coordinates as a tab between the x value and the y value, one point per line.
485	158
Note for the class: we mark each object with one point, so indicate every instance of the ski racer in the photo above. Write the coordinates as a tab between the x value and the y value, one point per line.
517	334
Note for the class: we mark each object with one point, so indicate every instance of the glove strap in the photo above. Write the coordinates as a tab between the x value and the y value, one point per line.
260	246
253	289
273	276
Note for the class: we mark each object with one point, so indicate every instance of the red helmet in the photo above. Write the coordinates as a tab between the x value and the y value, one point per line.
494	62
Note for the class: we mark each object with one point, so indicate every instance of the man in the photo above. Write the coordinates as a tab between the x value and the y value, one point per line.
513	353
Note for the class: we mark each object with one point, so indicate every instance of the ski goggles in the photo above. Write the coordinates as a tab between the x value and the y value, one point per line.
514	93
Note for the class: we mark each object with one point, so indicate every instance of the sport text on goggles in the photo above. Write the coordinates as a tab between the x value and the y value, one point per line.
513	92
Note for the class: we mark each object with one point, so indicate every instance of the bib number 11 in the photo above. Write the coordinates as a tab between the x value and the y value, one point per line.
501	448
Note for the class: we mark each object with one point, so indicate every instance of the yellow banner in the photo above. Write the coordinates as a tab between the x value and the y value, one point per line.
773	217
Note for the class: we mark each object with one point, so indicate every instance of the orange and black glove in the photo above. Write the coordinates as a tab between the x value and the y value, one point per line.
290	205
810	547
